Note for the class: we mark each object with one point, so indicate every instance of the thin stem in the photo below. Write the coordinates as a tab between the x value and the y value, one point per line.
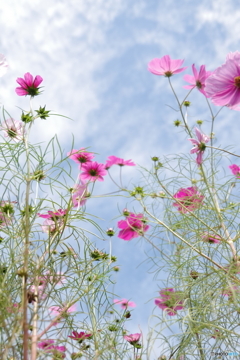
228	152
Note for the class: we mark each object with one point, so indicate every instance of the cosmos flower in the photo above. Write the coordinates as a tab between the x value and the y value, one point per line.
93	171
198	79
199	145
28	85
235	170
165	66
56	310
171	301
80	337
3	65
13	129
132	338
133	227
223	85
53	215
214	239
125	304
80	156
79	195
189	199
46	344
113	160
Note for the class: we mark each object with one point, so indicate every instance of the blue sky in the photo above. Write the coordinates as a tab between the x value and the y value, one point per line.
93	56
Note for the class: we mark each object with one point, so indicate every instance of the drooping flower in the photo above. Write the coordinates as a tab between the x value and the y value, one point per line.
189	199
171	301
114	160
125	304
3	65
198	79
199	145
133	339
223	85
79	196
165	66
28	85
80	337
93	171
235	170
211	238
13	129
80	156
132	227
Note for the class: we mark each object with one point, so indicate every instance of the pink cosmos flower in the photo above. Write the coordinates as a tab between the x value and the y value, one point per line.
171	301
199	145
165	66
51	227
46	344
28	85
230	291
214	239
133	338
124	303
189	199
80	337
79	196
223	85
53	215
3	65
93	171
80	156
198	79
56	310
13	129
132	227
235	170
113	160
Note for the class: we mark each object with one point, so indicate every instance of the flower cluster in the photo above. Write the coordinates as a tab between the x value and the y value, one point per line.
133	227
170	300
189	199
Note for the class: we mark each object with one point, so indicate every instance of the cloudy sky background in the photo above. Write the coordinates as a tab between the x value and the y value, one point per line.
93	56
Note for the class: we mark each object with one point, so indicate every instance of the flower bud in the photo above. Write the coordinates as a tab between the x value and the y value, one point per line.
110	232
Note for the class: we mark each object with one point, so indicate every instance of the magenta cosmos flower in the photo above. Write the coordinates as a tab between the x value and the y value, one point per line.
235	170
46	344
80	156
93	171
53	215
13	129
199	145
212	239
28	85
125	304
114	160
223	86
165	66
80	337
189	199
3	65
133	338
132	227
198	79
171	301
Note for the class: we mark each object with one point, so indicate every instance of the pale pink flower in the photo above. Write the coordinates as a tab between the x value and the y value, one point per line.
198	79
3	65
235	170
28	85
93	171
199	145
51	227
80	337
189	199
125	304
171	301
223	86
133	227
165	66
211	238
13	129
56	310
132	338
79	195
230	291
80	156
114	160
